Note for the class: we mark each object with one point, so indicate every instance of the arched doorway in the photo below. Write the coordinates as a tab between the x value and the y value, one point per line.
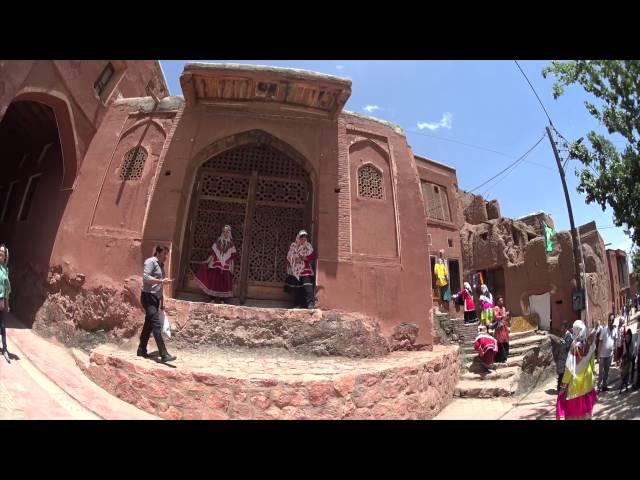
266	196
32	198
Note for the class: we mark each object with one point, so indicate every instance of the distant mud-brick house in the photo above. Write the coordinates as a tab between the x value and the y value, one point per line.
537	285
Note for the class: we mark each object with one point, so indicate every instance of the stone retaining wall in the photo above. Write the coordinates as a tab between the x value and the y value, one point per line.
402	385
315	332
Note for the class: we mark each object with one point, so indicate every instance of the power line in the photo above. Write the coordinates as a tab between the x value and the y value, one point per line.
506	174
462	143
509	166
534	92
470	145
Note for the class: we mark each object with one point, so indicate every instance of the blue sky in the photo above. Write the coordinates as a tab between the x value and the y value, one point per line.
483	103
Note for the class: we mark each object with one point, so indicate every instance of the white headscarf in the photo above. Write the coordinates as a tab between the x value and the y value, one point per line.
295	252
224	248
486	294
467	286
579	337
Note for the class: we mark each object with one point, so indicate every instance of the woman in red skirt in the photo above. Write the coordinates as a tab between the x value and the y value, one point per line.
487	347
215	275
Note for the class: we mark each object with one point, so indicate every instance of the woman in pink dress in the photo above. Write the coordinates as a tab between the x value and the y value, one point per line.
215	275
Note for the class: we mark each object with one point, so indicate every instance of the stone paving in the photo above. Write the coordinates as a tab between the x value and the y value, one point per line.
251	384
43	382
541	402
25	393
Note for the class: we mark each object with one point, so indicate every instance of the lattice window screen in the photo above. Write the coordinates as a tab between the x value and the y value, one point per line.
370	182
133	164
436	202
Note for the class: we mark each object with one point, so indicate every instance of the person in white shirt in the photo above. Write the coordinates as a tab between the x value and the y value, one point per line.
607	338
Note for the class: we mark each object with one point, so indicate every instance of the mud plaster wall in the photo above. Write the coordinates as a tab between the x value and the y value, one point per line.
444	235
390	288
95	272
47	253
519	249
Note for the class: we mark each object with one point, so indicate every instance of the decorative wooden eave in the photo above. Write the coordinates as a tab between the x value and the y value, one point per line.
288	88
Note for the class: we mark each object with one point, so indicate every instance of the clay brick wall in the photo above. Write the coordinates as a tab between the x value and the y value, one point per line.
443	235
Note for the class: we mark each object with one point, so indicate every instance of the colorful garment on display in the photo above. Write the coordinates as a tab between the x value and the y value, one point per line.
440	271
549	236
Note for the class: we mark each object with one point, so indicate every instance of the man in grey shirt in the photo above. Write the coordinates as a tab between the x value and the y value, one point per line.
151	298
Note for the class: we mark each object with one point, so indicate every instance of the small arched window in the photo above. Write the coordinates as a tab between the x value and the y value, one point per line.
133	164
370	184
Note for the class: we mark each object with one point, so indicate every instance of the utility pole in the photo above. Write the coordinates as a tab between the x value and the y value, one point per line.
577	248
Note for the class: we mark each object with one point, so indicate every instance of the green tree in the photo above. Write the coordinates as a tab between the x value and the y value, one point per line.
635	263
608	176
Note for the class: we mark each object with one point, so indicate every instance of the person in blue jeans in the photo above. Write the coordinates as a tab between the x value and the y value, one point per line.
5	291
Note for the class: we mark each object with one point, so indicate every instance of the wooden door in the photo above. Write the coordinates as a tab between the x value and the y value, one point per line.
265	203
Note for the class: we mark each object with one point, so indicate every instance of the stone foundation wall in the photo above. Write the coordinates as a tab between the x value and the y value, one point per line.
68	307
418	389
314	332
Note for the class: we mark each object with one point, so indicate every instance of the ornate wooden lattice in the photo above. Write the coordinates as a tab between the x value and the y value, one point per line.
273	230
264	159
277	210
133	164
370	182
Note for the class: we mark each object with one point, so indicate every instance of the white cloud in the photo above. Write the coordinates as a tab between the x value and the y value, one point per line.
339	67
371	108
445	122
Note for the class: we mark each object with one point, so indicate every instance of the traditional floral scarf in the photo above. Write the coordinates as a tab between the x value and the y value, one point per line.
296	264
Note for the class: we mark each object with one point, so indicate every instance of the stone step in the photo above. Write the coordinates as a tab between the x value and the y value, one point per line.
511	362
525	341
519	335
516	347
506	372
504	387
516	352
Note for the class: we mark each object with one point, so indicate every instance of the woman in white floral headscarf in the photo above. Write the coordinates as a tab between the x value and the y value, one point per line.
215	275
300	271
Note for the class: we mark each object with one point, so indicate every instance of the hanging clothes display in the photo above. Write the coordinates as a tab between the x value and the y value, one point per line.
549	237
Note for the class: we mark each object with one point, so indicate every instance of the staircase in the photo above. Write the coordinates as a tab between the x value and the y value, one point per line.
475	381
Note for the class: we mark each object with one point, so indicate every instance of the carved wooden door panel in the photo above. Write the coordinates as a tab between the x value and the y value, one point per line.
264	196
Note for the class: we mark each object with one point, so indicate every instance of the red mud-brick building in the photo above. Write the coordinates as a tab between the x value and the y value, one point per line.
100	164
440	192
619	279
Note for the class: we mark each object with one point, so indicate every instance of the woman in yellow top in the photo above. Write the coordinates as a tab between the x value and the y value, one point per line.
577	395
442	282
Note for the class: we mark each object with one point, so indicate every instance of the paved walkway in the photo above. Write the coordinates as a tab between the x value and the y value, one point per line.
43	382
540	404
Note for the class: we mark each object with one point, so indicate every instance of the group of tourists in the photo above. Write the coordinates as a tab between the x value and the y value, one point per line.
578	385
